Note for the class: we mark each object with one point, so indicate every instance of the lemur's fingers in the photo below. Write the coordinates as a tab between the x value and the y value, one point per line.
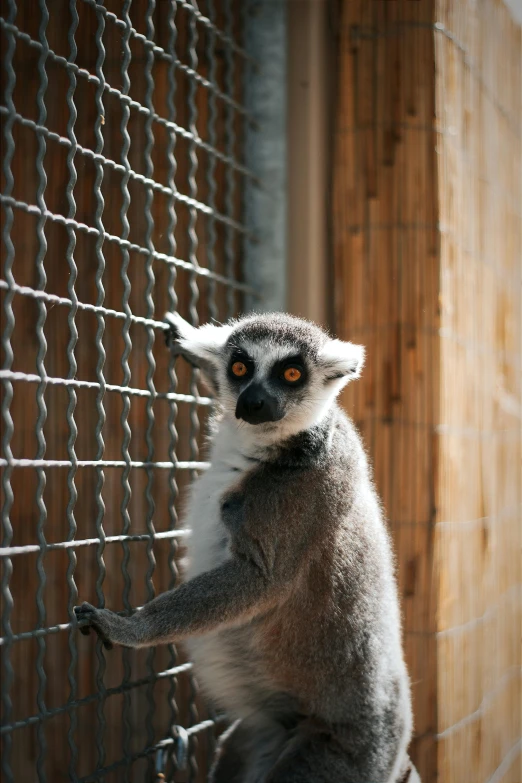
171	335
89	617
84	613
173	331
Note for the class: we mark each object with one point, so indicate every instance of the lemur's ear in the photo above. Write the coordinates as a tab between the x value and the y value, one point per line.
341	360
200	346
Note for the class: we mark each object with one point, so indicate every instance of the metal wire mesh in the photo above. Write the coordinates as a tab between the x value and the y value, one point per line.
121	198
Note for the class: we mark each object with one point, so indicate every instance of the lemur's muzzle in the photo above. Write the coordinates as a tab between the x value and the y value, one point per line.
256	406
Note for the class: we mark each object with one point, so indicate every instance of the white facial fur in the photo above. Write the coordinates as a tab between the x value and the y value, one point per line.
337	363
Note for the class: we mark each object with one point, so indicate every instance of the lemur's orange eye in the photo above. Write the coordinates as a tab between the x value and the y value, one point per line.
239	369
292	374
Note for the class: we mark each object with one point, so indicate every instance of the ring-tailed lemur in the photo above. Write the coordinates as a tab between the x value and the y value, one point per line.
290	608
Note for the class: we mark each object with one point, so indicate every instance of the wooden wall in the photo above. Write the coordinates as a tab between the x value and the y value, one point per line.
386	250
426	232
478	530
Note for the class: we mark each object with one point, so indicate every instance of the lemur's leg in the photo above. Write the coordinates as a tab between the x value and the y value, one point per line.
319	757
247	752
311	760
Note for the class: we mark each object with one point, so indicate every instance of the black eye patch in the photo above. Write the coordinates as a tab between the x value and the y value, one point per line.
290	362
242	358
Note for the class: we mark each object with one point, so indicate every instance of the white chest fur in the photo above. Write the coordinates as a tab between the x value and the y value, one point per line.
230	459
218	669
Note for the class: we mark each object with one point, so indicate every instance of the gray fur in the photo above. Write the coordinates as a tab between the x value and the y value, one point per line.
291	606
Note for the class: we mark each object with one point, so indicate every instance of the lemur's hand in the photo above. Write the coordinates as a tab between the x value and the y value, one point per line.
110	627
173	333
102	621
175	330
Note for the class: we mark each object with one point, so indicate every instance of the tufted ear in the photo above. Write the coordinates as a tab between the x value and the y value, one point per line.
201	346
341	360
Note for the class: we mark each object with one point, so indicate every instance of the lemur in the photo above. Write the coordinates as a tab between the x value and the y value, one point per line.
290	609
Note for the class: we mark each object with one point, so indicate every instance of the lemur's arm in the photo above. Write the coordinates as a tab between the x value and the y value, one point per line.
271	535
230	593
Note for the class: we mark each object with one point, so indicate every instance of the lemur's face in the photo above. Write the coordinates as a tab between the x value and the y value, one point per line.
263	382
272	372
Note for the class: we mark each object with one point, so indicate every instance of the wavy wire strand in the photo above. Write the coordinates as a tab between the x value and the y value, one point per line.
210	41
151	364
194	319
173	381
126	398
8	425
211	167
40	392
100	298
73	366
230	144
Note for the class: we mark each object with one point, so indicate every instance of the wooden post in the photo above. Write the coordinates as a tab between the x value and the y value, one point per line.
427	252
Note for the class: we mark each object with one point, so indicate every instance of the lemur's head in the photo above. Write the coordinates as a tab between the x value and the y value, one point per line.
273	372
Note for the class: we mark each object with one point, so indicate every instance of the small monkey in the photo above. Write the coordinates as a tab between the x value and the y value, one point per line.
290	609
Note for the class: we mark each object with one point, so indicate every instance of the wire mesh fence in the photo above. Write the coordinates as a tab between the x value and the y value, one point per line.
121	198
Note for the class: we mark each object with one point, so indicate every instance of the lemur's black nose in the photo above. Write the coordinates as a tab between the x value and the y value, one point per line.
256	406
